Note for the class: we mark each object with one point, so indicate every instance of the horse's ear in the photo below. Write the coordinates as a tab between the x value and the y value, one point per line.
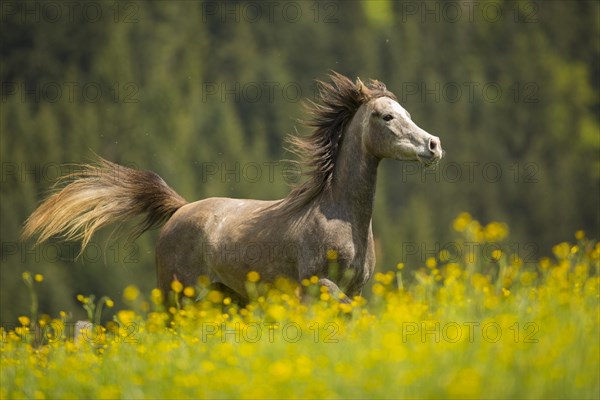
360	86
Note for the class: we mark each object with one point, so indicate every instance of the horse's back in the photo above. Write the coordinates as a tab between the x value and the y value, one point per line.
197	237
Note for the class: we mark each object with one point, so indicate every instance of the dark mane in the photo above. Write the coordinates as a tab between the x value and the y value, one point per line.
337	103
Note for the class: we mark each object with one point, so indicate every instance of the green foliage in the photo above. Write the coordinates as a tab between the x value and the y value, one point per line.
156	63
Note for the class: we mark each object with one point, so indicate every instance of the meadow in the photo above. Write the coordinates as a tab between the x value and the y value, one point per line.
468	324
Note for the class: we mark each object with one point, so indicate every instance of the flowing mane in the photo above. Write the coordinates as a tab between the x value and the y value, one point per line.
337	103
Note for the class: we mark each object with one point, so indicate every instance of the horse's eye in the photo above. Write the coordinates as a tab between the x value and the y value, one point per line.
388	117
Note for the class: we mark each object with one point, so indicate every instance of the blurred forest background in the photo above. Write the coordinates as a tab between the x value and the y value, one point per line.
203	93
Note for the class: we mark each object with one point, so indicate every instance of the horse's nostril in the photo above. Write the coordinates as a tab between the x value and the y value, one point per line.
433	145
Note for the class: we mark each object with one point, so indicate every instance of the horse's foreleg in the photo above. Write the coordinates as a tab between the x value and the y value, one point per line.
335	291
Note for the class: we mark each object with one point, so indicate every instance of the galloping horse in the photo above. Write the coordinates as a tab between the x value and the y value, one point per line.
356	125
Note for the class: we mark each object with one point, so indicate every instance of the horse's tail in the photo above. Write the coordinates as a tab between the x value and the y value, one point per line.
98	195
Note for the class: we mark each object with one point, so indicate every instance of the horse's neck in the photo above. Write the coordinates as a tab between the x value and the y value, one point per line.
352	190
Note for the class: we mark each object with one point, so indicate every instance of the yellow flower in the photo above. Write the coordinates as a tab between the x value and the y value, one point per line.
156	296
332	255
109	303
444	255
579	235
386	278
545	263
561	250
189	291
378	289
214	296
574	249
516	261
400	266
528	278
176	286
131	293
44	319
23	320
125	316
461	222
497	254
253	276
495	231
277	312
431	263
346	308
38	277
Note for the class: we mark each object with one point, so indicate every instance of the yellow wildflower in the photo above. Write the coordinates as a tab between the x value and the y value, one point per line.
177	286
332	255
497	254
253	276
125	316
157	296
189	291
431	263
131	293
461	222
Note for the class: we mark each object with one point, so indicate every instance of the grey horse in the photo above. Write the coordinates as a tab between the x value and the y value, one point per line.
328	217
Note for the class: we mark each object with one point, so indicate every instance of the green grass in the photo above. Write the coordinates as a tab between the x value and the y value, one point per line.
474	327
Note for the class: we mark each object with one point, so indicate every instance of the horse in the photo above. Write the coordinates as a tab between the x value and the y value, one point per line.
326	217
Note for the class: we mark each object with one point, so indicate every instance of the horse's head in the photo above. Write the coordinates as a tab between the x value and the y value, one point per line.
391	133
